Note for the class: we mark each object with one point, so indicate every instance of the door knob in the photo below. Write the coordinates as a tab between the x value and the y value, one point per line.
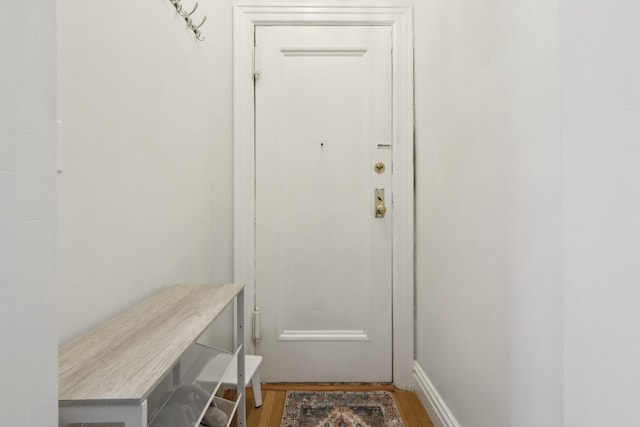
381	209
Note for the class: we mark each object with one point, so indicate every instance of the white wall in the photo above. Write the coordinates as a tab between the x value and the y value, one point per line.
488	211
145	194
28	359
601	140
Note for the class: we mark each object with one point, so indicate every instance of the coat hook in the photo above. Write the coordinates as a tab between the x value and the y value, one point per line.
190	13
195	27
177	5
187	17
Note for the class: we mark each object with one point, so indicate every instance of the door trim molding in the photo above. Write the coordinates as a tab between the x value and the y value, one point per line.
287	335
400	19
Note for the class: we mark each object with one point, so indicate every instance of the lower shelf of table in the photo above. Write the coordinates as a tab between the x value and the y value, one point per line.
185	397
211	418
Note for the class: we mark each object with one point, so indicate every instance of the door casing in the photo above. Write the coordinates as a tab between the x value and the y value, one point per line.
400	20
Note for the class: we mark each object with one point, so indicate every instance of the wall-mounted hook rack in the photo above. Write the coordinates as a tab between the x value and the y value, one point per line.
187	18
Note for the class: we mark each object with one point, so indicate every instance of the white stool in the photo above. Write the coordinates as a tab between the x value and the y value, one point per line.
251	365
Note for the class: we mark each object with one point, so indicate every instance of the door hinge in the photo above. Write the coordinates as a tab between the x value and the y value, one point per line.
255	317
256	63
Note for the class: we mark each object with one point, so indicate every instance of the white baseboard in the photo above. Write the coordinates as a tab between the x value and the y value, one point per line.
437	409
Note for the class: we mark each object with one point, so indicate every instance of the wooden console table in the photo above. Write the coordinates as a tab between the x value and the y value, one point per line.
135	368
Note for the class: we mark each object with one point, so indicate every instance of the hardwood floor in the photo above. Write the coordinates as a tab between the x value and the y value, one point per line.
273	395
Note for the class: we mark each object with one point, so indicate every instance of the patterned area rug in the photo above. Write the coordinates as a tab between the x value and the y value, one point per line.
340	409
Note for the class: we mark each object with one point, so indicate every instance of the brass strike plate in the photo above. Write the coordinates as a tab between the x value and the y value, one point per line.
379	167
380	208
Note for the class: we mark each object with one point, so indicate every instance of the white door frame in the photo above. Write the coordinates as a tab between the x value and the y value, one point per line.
400	19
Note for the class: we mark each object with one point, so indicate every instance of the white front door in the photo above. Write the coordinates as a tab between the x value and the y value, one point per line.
323	258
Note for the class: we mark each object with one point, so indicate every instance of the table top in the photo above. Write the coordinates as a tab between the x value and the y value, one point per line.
123	359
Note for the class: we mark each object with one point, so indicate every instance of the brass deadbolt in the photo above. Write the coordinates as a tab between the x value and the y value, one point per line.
379	167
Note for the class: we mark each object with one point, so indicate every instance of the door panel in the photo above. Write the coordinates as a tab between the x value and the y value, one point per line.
323	260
